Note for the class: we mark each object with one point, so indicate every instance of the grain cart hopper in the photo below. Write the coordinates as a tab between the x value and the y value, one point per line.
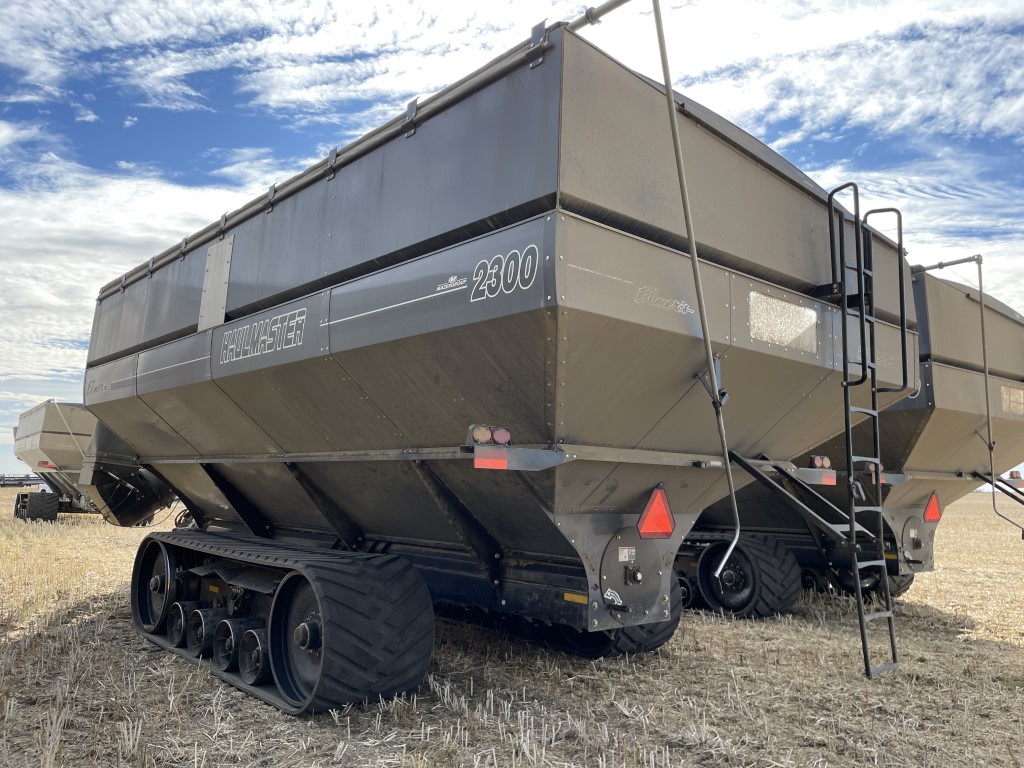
456	363
85	467
933	451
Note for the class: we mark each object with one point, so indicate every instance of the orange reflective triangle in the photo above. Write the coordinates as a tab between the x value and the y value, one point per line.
656	522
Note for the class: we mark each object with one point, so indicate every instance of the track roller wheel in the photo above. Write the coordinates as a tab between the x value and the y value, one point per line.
870	585
254	657
227	640
639	638
154	587
359	628
199	632
177	622
761	578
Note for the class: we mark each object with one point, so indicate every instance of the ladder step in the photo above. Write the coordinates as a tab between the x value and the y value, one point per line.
870	564
881	668
877	615
866	509
872	459
858	409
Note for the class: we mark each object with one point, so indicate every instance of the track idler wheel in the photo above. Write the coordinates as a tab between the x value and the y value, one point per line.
227	640
254	657
360	628
177	622
202	624
154	586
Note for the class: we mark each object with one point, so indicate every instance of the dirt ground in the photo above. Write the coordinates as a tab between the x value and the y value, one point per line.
78	687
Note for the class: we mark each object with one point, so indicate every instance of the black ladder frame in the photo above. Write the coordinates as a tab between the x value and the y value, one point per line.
865	504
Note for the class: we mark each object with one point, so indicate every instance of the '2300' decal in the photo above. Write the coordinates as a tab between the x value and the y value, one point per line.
504	274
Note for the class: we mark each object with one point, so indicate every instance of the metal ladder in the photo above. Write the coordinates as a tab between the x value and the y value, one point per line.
864	463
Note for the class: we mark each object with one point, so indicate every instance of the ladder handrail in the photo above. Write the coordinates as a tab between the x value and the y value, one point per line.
902	289
839	267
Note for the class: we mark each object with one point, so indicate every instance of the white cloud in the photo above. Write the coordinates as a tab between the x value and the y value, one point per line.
130	121
13	133
84	115
69	230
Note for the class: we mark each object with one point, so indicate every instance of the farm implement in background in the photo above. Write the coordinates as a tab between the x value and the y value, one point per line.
84	468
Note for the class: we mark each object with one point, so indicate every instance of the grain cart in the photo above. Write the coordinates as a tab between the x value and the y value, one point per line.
51	439
64	443
933	451
458	363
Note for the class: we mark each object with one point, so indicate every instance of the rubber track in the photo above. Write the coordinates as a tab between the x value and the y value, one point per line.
898	585
42	506
778	578
642	638
378	615
376	609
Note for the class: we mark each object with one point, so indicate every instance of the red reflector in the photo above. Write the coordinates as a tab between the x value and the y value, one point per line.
490	457
481	463
828	478
932	511
45	465
656	522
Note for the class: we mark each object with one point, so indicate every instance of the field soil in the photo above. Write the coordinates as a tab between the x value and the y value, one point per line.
78	687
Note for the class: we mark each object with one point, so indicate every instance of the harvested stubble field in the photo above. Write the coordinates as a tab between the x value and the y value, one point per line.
79	688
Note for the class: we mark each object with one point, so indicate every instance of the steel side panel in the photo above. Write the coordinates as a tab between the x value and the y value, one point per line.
481	157
950	441
513	507
175	293
628	337
174	381
110	395
274	490
193	482
435	351
954	328
312	405
621	160
118	321
384	498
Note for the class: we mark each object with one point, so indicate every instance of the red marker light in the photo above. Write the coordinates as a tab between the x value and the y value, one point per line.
656	522
932	511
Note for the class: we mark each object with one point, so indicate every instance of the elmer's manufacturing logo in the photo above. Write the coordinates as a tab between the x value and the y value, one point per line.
453	282
264	336
652	296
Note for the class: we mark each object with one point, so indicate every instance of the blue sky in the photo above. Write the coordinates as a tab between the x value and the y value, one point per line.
127	125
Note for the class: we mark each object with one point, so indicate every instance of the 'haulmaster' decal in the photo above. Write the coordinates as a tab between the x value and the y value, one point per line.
264	336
